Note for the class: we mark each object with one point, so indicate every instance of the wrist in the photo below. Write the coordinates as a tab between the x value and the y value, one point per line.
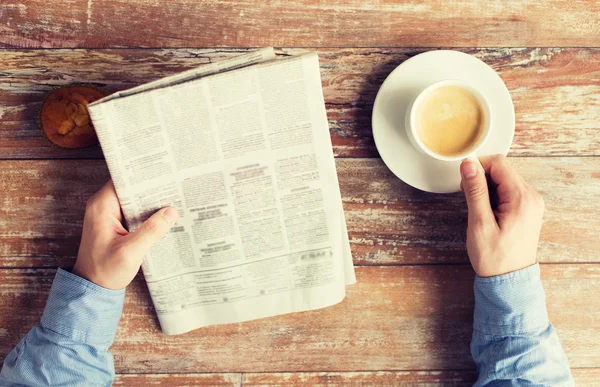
499	269
87	274
80	272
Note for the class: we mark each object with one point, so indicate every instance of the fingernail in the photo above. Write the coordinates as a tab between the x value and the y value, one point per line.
171	215
468	169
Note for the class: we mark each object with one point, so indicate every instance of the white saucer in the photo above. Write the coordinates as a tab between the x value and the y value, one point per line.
402	86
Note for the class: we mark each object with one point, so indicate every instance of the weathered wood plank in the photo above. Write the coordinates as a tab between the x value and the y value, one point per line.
42	206
250	23
586	376
582	376
390	222
394	318
42	202
556	92
178	380
379	379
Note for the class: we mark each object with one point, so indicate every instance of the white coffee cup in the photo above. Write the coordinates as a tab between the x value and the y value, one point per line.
411	129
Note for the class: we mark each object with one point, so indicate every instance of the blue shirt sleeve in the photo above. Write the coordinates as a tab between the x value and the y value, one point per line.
513	341
70	345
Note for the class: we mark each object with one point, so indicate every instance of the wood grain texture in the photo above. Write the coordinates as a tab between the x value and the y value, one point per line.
251	23
41	209
408	320
181	380
360	379
390	222
42	203
582	376
556	92
586	376
394	318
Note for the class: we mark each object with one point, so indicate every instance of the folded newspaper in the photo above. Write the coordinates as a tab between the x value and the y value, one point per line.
242	149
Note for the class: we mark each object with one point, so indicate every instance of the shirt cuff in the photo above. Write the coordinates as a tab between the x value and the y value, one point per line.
82	310
510	304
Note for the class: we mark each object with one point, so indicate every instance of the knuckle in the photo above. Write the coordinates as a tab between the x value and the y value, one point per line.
476	190
531	200
520	196
537	198
150	227
499	157
502	163
530	197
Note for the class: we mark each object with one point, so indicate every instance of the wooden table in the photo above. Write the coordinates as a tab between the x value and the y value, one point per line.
408	319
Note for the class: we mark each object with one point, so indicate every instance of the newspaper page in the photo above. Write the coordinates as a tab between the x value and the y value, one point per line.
246	158
261	55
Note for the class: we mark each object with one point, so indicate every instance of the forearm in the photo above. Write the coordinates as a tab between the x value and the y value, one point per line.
512	336
70	345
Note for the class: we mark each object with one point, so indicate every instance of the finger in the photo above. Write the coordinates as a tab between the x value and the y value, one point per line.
106	200
475	186
152	230
509	184
501	172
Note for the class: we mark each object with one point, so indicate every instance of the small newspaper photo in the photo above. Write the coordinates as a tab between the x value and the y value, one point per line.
242	149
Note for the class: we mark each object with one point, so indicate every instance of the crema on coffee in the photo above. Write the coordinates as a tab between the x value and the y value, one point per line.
450	120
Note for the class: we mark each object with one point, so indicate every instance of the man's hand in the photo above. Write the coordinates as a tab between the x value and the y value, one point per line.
503	239
110	256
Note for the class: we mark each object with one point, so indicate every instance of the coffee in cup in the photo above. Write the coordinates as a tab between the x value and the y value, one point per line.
449	120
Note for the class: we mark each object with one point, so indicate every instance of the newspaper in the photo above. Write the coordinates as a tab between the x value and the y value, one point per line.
242	149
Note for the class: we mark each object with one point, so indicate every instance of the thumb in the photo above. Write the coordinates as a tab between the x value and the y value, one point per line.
474	184
152	230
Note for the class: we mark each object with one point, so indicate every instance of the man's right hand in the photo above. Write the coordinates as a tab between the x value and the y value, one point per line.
503	239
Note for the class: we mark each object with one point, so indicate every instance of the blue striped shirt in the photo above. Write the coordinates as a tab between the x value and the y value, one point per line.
513	341
70	345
